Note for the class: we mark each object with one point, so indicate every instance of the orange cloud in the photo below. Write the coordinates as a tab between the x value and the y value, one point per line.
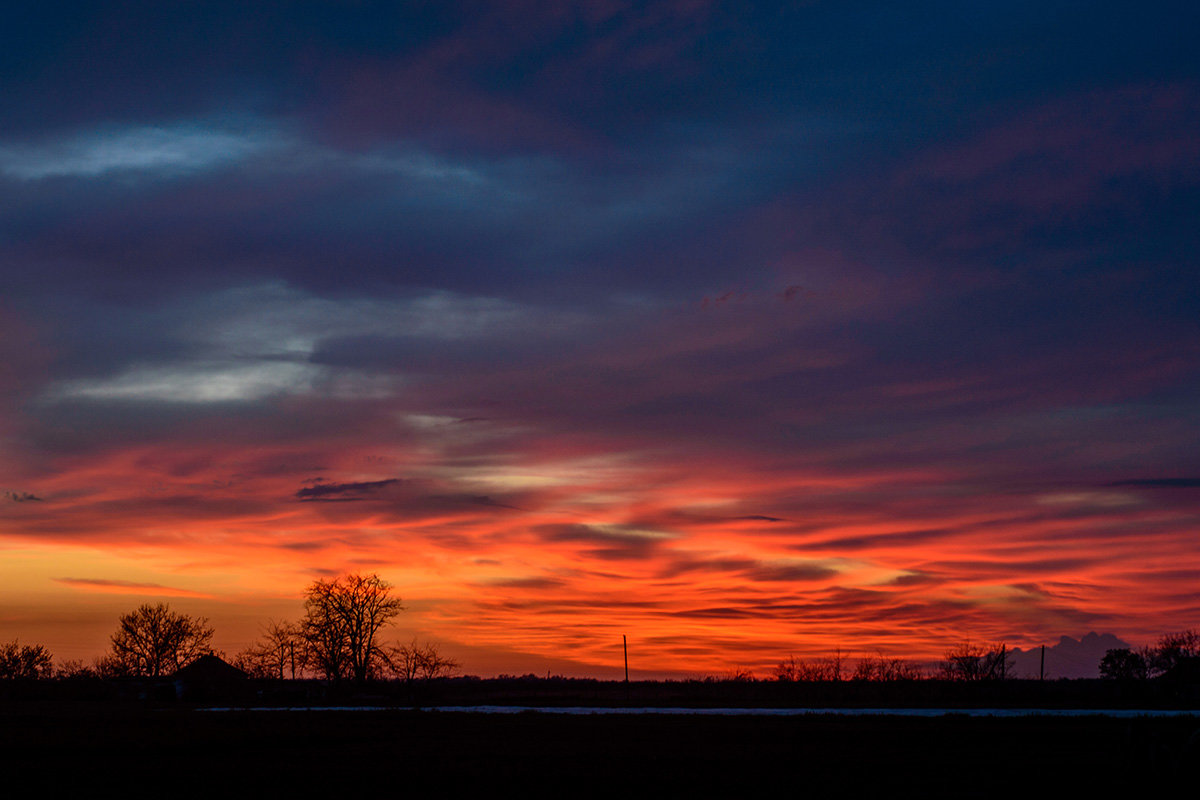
127	587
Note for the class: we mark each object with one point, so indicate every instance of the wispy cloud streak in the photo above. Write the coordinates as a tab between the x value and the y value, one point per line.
150	149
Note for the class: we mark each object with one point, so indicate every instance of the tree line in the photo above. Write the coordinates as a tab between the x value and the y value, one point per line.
340	638
963	662
974	662
1172	651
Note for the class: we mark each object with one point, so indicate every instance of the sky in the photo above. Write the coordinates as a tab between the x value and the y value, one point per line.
744	330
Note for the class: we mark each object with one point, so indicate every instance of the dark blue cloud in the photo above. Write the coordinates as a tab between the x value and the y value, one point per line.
938	233
568	150
1159	483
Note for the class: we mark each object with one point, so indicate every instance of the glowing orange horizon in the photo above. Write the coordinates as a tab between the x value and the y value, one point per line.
549	559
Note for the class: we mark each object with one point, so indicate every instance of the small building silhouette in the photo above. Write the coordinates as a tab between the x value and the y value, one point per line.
207	678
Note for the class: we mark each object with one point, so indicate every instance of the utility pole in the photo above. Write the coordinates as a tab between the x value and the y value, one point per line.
1042	669
625	647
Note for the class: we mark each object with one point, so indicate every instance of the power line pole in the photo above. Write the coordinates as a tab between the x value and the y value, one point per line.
625	647
1042	669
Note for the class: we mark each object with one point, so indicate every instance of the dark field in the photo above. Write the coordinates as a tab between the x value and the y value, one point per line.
177	751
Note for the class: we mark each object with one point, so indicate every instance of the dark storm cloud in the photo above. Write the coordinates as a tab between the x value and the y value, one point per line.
417	354
400	500
527	583
288	207
21	497
790	572
590	533
1159	483
749	569
326	492
674	132
717	612
612	543
915	579
899	538
1007	568
485	500
1074	658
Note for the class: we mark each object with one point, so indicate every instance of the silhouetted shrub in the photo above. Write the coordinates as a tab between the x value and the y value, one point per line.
1123	664
24	661
967	662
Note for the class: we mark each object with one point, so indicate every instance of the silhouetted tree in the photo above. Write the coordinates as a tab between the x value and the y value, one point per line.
341	625
1123	664
967	662
1172	649
276	653
836	665
881	668
74	669
421	661
818	669
24	661
788	670
153	640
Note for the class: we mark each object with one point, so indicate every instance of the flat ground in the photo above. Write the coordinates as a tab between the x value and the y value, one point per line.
183	752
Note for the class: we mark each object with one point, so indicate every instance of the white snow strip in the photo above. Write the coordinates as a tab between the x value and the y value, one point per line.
1118	713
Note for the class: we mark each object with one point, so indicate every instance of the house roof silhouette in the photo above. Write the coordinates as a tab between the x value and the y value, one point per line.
209	668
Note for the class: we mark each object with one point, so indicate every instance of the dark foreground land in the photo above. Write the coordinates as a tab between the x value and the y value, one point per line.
180	751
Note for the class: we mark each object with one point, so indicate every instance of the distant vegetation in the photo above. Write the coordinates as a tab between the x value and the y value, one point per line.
25	661
341	639
964	662
1174	651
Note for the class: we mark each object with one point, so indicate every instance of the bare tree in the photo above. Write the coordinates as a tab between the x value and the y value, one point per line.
967	662
341	626
153	641
868	668
421	661
788	670
276	653
74	669
24	661
799	669
881	668
836	666
817	669
1173	649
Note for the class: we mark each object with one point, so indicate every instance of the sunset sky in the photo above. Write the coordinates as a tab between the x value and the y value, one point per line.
741	331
